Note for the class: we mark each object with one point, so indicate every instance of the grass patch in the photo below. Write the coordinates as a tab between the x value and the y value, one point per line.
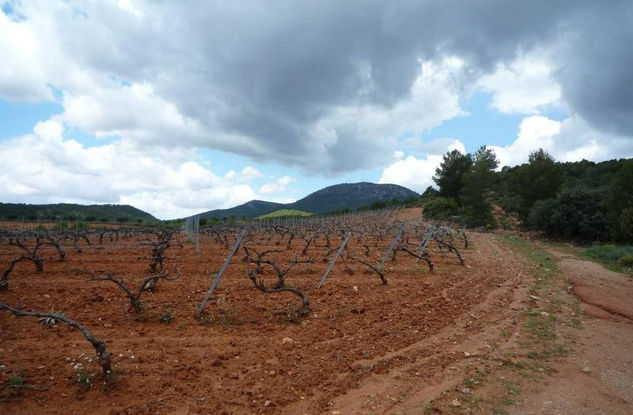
544	266
618	258
540	326
285	213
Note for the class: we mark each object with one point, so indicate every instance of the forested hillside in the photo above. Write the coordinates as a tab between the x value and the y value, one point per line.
582	201
73	212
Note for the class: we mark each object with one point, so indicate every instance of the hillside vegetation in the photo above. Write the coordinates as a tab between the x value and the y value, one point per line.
74	212
284	213
340	197
579	201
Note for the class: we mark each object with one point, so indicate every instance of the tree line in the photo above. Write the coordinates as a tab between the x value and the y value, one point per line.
581	201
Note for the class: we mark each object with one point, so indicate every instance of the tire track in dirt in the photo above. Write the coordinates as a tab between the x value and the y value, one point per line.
402	380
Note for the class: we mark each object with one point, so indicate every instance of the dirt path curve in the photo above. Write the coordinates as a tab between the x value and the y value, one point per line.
597	377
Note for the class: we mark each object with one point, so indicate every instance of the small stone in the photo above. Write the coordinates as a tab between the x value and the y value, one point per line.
544	313
355	288
466	391
287	340
47	296
466	354
456	403
586	370
52	378
335	412
267	403
533	297
358	310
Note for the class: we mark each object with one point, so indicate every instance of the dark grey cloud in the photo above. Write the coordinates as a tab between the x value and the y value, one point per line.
595	65
261	77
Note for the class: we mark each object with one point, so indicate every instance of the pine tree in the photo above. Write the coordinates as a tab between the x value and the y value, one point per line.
448	176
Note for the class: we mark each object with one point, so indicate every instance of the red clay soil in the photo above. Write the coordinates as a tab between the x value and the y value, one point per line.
363	348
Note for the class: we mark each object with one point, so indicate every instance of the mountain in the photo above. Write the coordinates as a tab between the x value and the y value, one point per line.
332	198
350	195
70	211
249	209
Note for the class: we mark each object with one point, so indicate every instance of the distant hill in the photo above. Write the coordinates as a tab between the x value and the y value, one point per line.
329	199
350	195
70	211
249	209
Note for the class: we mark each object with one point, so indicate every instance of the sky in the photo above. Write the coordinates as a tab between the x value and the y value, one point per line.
179	107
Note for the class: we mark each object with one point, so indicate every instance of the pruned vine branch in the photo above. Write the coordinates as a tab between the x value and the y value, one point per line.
104	357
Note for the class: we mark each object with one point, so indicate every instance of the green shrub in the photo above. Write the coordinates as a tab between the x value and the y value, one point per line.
615	257
543	216
578	214
471	217
440	208
626	261
626	224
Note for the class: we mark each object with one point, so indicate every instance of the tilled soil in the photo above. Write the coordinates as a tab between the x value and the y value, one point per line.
364	347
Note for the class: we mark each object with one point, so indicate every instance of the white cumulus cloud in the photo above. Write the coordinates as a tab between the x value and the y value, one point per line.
277	186
47	167
524	85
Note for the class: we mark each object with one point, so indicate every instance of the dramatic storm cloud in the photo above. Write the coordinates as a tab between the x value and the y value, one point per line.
307	84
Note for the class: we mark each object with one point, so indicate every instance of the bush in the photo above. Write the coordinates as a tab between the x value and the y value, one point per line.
626	261
578	214
543	216
378	204
626	225
471	217
440	208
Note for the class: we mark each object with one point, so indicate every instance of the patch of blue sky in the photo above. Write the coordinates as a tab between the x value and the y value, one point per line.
484	126
8	7
556	113
87	140
17	119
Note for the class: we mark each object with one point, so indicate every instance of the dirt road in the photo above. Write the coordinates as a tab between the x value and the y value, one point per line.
597	376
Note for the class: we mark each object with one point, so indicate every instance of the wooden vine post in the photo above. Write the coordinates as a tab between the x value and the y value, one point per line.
218	276
338	254
391	247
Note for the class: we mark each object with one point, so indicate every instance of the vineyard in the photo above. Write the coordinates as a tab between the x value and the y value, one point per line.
270	316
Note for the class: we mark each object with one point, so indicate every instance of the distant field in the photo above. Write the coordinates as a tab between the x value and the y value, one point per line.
284	213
